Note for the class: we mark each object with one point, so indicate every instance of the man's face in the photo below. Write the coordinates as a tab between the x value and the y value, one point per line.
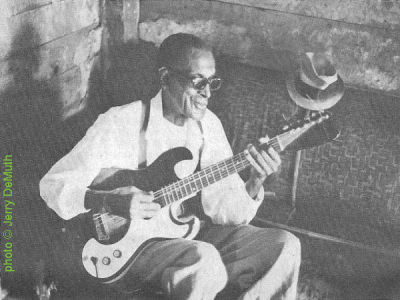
184	99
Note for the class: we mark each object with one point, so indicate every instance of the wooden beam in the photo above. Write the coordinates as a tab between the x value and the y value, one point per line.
381	14
296	167
328	238
66	63
60	55
14	7
131	12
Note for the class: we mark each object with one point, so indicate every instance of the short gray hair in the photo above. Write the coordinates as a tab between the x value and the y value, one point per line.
175	49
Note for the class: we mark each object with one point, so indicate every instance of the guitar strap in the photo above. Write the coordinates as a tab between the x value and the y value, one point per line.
142	159
198	167
193	205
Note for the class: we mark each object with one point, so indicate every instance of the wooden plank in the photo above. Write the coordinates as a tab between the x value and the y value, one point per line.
59	61
74	88
381	13
49	22
296	166
70	87
60	55
130	18
66	89
364	56
72	50
14	7
5	77
329	238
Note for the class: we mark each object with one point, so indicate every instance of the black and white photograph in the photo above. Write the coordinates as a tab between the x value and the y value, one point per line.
200	149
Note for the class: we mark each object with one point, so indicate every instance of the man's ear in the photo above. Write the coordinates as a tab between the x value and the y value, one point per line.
164	76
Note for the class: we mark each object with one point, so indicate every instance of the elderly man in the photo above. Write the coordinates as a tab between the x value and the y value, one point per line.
228	256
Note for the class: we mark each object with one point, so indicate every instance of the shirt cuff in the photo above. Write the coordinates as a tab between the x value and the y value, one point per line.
115	204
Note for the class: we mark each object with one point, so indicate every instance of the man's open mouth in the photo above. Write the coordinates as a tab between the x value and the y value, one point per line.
200	105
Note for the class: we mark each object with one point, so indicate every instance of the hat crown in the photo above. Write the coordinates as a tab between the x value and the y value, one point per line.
322	65
317	71
316	86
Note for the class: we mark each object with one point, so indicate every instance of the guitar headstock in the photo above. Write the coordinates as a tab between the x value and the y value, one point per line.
292	131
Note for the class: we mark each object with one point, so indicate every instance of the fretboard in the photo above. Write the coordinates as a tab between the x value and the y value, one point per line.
194	183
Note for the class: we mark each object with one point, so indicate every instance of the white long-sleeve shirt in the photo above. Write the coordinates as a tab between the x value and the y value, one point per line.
113	141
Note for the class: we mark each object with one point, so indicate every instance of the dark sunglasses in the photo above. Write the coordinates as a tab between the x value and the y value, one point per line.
198	82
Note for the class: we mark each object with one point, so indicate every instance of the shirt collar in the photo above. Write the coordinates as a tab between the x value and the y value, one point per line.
156	119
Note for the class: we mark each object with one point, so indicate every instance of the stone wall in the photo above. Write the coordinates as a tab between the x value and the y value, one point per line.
361	37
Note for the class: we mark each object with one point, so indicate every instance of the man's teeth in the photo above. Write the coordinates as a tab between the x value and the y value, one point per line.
200	105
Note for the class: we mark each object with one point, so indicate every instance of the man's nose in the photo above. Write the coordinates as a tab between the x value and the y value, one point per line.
206	92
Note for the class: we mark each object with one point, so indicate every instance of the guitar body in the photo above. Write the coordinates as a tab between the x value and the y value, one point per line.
109	255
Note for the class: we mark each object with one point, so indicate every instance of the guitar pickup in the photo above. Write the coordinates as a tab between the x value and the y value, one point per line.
101	230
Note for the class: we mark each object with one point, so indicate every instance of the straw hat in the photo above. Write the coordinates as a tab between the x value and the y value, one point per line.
316	85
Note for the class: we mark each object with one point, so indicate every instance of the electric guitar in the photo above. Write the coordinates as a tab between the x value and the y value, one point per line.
118	240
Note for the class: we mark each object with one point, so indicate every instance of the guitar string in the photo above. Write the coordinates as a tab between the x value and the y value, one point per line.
231	167
190	184
183	182
211	170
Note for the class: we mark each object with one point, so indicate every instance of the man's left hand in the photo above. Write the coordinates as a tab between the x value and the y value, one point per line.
263	164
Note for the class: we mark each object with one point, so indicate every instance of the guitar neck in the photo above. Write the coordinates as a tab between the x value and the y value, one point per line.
194	183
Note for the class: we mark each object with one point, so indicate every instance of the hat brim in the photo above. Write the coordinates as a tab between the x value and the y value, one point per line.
325	99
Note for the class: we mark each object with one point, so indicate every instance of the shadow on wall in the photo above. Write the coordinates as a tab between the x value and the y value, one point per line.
127	74
132	74
29	122
30	106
